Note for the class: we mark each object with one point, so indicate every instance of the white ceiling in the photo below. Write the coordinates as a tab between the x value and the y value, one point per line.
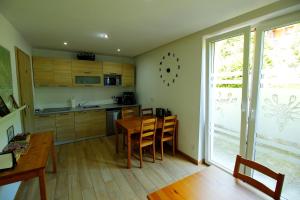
134	26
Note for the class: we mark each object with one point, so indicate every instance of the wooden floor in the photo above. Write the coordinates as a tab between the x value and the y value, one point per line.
92	170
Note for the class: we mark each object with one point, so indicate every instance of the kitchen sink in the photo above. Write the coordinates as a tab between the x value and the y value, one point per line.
57	109
91	106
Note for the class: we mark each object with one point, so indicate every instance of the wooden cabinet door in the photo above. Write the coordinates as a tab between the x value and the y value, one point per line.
44	123
90	123
86	67
112	68
62	73
65	126
98	122
128	77
43	71
87	73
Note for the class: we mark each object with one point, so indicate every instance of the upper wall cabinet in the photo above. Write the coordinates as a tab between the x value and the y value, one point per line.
62	72
87	73
128	77
52	72
43	71
112	68
78	73
86	67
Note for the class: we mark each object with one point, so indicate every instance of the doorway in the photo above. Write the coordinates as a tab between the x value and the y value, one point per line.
263	124
24	74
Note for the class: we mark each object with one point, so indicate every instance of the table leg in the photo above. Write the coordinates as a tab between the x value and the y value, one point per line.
53	152
128	150
42	183
117	137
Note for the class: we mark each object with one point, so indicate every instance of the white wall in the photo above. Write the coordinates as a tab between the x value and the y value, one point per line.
51	97
182	97
185	96
9	39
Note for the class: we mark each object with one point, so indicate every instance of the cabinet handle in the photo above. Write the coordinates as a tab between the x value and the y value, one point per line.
44	116
64	114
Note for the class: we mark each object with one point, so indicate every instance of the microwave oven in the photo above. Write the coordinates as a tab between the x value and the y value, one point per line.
112	80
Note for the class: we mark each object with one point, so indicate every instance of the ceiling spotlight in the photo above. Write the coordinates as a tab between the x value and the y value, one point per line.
103	35
65	43
118	50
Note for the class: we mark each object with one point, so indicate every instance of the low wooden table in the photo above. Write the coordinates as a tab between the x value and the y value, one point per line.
210	184
133	126
33	163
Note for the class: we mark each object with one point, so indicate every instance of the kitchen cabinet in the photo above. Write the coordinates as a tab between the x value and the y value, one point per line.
45	123
87	73
78	73
90	123
128	75
62	72
51	72
65	129
112	68
43	71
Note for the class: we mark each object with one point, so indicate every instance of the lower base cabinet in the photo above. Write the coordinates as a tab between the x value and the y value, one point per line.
90	123
45	123
65	127
72	126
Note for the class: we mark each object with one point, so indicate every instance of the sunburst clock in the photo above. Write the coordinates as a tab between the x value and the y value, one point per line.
169	68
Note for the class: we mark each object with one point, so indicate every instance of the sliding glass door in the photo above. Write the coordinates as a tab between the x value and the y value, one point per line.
274	134
261	123
227	88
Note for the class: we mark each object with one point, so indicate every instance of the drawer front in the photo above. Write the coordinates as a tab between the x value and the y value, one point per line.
65	133
65	120
85	130
90	123
44	123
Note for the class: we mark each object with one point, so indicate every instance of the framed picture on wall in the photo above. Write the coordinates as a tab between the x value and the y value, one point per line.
3	108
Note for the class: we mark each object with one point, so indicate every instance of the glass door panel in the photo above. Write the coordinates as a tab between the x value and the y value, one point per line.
277	136
226	95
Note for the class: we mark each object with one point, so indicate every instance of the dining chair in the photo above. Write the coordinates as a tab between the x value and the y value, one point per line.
147	137
147	112
168	133
127	113
262	169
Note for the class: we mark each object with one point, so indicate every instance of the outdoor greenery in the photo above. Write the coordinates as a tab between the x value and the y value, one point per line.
278	53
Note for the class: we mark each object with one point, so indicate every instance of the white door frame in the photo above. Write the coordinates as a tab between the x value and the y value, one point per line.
209	95
260	29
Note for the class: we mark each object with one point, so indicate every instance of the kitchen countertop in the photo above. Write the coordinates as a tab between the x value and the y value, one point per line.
48	111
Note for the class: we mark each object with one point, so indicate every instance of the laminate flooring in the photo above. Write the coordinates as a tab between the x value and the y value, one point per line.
91	169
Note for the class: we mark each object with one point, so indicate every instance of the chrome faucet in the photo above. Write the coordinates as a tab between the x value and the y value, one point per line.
82	104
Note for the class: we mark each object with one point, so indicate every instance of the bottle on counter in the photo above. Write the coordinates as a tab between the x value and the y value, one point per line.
73	102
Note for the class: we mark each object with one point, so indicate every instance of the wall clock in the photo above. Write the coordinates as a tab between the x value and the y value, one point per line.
169	68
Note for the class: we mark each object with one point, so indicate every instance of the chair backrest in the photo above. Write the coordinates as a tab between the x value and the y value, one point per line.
147	112
128	113
169	125
148	128
262	169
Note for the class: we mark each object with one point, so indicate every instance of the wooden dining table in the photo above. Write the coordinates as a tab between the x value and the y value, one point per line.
133	126
33	163
211	183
